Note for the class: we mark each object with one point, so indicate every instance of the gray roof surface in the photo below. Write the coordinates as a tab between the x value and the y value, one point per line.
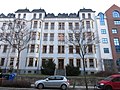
86	10
38	10
23	11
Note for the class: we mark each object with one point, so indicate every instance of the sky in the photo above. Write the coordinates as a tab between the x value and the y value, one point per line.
57	6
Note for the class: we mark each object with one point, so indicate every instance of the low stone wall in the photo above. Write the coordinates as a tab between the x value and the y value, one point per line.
74	80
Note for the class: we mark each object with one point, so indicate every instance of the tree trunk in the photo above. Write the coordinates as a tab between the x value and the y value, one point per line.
18	58
84	71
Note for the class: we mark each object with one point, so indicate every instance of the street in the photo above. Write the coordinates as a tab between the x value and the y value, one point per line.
76	88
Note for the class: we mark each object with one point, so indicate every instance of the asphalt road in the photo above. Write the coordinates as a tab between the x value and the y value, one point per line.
8	88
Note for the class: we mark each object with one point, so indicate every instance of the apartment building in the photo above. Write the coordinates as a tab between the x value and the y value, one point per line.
49	33
113	20
104	43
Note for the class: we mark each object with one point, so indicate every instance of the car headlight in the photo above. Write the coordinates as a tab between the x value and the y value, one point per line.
101	83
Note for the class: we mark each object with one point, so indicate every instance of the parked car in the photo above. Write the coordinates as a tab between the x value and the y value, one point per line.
53	82
110	83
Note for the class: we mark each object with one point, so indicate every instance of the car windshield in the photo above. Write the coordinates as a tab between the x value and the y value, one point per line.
108	78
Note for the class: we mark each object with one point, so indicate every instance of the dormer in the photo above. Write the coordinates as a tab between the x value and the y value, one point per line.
22	14
38	13
86	14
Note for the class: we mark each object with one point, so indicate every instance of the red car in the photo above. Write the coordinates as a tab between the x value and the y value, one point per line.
110	83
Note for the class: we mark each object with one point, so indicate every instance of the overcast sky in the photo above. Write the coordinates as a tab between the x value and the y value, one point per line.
57	6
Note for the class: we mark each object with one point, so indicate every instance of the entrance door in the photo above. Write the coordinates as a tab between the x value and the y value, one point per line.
60	63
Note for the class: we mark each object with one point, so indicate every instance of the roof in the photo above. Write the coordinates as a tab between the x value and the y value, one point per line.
23	11
115	75
86	10
10	15
62	15
38	10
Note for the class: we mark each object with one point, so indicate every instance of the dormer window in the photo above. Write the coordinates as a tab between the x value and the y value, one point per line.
83	16
19	15
40	15
89	15
34	16
24	16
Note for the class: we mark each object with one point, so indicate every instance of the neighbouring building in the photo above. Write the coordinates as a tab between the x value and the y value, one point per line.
113	20
104	43
49	33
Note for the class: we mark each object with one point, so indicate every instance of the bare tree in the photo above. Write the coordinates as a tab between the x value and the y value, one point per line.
82	41
17	35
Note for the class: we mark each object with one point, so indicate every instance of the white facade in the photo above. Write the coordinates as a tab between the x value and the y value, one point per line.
49	34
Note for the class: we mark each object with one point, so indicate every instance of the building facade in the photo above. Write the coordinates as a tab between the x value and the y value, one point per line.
49	33
113	20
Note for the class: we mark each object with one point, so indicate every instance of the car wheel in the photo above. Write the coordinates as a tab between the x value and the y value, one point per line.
108	88
64	87
40	86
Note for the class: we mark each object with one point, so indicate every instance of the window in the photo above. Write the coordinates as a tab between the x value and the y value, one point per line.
51	36
78	62
40	15
117	45
71	62
115	14
44	49
106	50
104	40
116	79
89	36
77	49
90	50
45	37
11	61
30	62
70	26
83	16
61	26
76	25
19	15
24	15
102	22
35	24
5	48
103	31
60	49
114	30
36	61
32	49
60	36
52	26
87	24
116	41
117	48
10	26
89	15
2	61
14	48
33	35
77	36
38	35
117	22
46	25
50	49
71	49
34	15
40	24
70	36
91	63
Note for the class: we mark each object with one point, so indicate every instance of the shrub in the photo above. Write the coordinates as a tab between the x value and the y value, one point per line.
103	73
72	71
48	68
16	83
